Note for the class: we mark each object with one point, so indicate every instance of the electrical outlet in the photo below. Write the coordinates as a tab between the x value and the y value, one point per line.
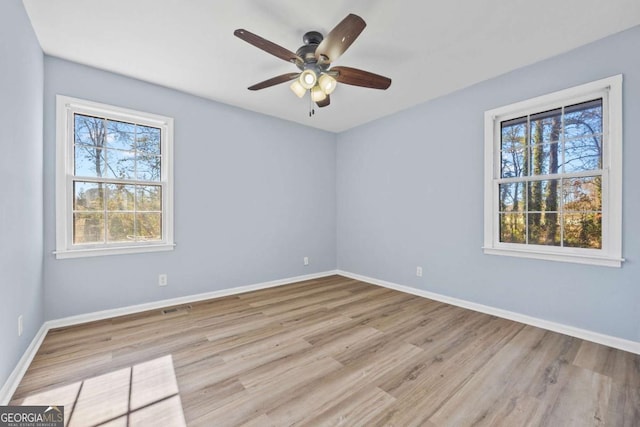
162	280
20	325
419	271
306	260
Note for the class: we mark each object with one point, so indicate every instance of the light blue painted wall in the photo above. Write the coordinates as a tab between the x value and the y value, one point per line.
253	196
21	77
410	192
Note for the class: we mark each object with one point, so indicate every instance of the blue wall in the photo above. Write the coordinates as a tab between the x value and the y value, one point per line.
21	76
410	193
253	196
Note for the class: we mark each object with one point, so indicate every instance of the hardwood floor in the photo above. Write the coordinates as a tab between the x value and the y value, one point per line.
331	351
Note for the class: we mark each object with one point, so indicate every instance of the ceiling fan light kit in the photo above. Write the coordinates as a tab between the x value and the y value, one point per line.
314	59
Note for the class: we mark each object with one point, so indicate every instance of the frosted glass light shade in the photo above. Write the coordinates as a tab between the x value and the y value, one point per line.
308	79
327	83
317	94
297	88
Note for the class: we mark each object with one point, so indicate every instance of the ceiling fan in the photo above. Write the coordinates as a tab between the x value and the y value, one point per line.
314	59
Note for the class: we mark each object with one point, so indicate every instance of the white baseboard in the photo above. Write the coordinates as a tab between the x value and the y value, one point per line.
608	340
16	375
132	309
14	379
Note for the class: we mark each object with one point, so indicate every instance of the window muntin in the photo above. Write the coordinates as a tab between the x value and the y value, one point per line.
114	187
553	176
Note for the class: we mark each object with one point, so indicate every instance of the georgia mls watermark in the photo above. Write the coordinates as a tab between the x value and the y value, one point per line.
31	416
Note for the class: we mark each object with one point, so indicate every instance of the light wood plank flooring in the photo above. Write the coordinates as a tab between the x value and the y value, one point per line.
334	352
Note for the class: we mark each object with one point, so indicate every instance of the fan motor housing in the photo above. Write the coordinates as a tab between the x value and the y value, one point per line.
307	52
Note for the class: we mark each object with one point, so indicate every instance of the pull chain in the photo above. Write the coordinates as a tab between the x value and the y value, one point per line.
312	111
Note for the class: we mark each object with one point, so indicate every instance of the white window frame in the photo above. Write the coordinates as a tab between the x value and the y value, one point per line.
610	89
66	108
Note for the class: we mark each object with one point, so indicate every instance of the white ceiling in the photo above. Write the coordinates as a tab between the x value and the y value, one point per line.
428	48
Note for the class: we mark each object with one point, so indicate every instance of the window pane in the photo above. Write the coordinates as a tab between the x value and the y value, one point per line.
149	226
582	194
89	130
513	133
88	196
512	197
583	230
546	126
148	139
89	161
543	195
583	154
149	197
88	228
513	163
120	228
513	145
121	164
583	119
121	135
512	228
544	158
120	197
544	228
543	198
148	167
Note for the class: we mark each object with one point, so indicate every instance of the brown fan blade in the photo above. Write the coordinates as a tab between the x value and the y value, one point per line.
274	81
355	77
340	38
267	46
324	102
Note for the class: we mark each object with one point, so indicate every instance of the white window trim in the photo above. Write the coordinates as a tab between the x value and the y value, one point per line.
611	253
65	109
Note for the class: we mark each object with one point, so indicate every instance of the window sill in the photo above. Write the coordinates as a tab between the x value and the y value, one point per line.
83	253
549	256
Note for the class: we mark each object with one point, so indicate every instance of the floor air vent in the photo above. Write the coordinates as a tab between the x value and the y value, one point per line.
179	309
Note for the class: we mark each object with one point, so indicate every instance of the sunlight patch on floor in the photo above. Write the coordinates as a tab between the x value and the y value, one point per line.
142	394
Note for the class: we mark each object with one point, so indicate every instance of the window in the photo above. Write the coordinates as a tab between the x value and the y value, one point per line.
114	183
553	176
